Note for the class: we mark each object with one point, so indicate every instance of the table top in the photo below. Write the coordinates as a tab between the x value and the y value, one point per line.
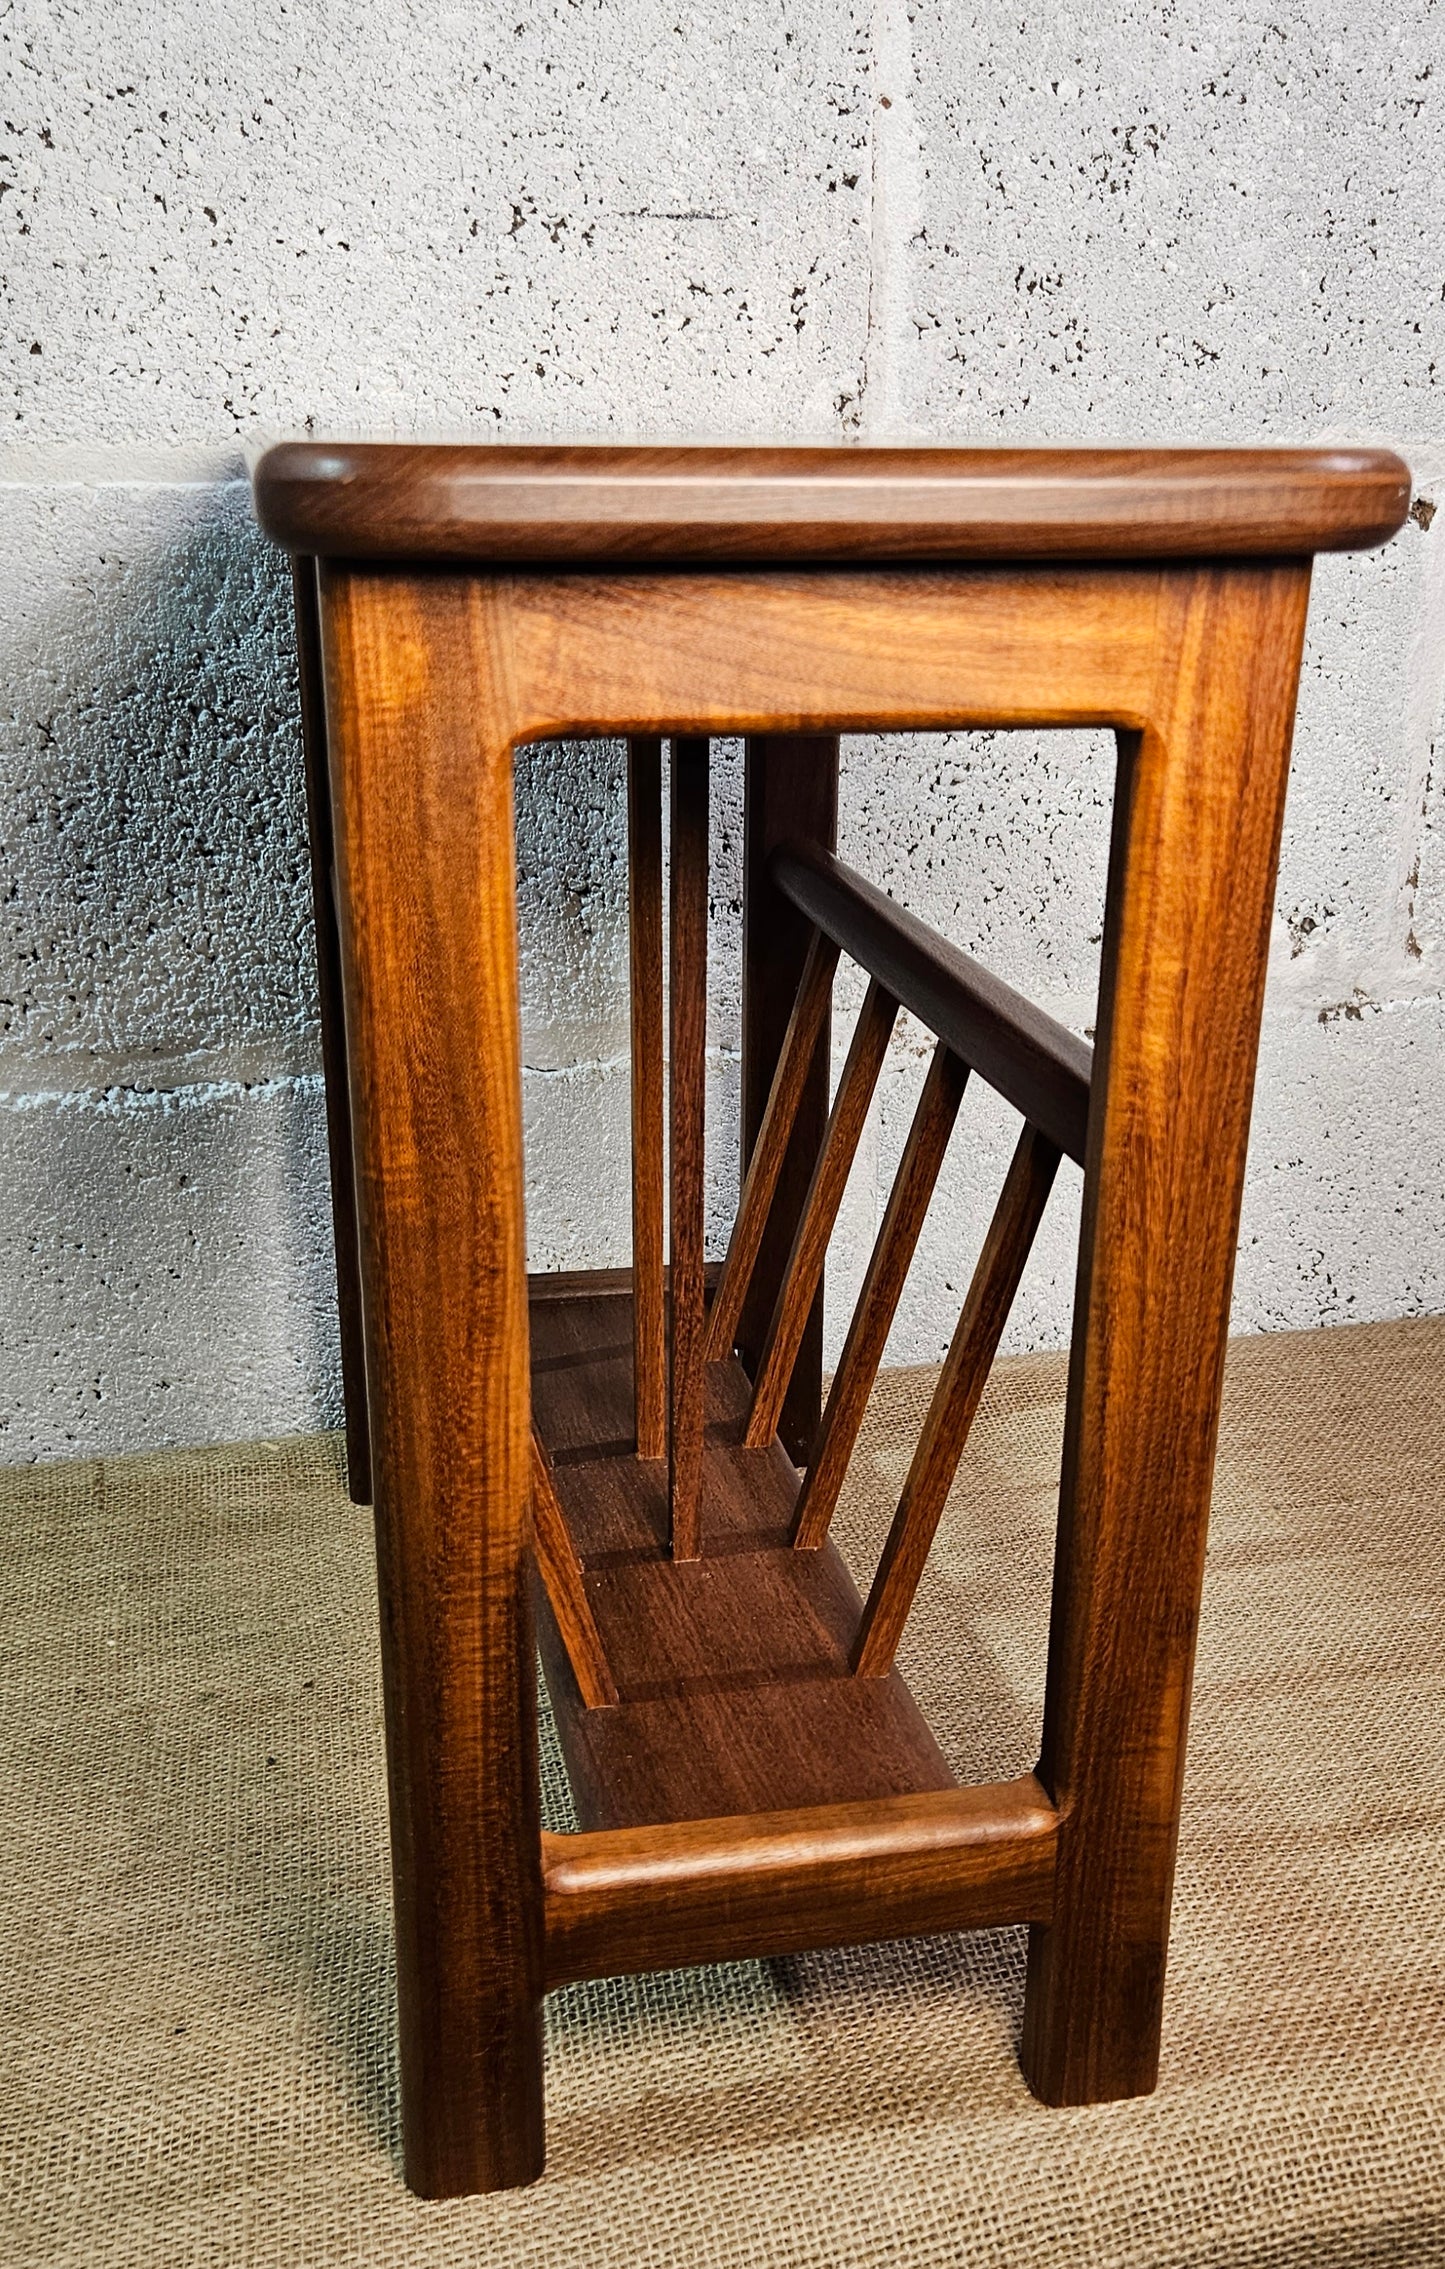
596	504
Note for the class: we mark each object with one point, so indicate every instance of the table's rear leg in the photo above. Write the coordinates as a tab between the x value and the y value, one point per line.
333	1034
422	795
1196	833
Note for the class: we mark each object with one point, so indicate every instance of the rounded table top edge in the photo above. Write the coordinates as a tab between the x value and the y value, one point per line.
529	505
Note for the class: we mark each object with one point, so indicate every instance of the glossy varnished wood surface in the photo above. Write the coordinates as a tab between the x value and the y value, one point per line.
686	1104
1197	815
590	504
790	793
732	1670
1036	1062
645	999
422	802
780	1882
877	1303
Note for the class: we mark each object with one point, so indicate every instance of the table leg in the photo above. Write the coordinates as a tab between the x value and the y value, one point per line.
333	1034
1196	834
422	796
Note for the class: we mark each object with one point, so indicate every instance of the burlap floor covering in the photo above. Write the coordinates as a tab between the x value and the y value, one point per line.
198	2061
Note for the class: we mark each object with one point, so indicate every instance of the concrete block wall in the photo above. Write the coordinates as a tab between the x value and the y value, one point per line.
618	218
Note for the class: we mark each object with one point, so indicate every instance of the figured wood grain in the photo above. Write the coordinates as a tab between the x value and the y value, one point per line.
561	1573
333	1032
422	802
1197	816
687	1087
955	1400
877	1303
644	909
777	1883
760	1182
790	790
799	1287
735	1693
1032	1060
600	503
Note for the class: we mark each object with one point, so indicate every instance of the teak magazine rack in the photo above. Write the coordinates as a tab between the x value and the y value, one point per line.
750	1770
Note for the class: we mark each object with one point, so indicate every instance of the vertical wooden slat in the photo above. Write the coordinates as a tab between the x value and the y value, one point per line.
965	1372
795	1065
804	1272
644	904
561	1573
687	1081
790	793
333	1033
918	1170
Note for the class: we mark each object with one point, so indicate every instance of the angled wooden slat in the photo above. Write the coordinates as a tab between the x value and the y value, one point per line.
644	906
918	1171
1041	1067
810	1010
825	1194
686	1087
955	1399
561	1573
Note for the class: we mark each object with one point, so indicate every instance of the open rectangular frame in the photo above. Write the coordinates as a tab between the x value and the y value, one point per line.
420	679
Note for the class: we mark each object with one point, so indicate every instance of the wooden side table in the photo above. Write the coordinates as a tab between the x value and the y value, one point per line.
751	1772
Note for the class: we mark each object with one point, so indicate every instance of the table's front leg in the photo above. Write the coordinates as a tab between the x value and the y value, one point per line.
1196	832
421	776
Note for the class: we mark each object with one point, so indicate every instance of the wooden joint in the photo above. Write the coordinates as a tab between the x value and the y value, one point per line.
653	1898
1036	1063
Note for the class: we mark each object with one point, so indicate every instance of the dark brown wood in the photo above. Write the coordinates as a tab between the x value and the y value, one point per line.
790	793
687	1090
893	1250
781	1882
422	803
586	1283
955	1399
733	1673
333	1033
1041	1067
562	1576
804	1273
1198	808
644	902
599	503
795	1066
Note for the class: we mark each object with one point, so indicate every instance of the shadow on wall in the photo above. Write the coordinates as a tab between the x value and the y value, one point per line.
165	1268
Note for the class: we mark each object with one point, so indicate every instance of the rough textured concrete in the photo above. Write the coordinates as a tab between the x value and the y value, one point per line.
596	218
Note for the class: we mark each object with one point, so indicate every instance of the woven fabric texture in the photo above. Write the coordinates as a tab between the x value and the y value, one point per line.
198	2055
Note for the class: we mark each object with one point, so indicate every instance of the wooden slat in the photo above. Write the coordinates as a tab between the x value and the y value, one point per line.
1036	1063
825	1194
630	1899
955	1399
790	795
810	1012
561	1572
644	904
918	1171
687	1080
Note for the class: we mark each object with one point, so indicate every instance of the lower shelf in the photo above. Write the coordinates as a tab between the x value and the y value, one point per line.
733	1669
